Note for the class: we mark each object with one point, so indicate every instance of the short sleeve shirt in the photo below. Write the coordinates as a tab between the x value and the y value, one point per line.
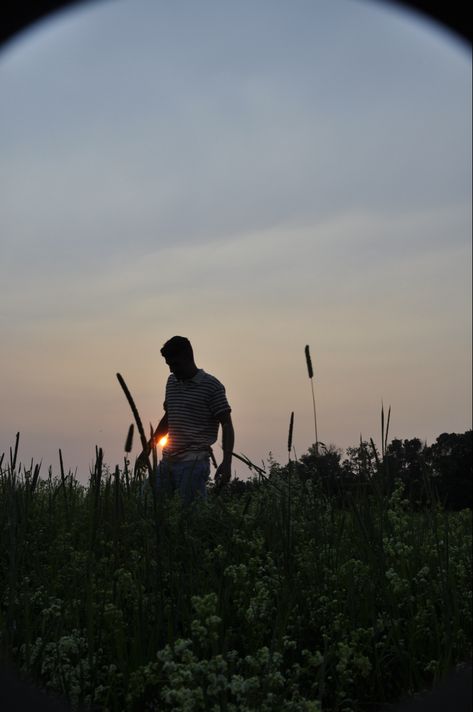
193	406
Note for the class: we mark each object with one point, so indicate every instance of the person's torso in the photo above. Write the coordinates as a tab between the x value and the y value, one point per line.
192	406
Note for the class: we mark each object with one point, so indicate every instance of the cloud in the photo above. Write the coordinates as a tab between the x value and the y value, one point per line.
256	181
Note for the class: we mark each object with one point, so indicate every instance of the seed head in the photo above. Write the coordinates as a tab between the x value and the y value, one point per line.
291	427
309	362
129	438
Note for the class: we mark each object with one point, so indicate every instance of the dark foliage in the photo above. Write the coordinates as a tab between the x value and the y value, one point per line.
441	472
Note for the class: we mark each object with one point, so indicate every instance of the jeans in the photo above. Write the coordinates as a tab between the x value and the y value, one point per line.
188	477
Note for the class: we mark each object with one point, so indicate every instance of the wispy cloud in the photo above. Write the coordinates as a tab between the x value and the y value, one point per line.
256	176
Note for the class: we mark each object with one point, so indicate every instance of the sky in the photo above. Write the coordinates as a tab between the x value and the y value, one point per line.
254	175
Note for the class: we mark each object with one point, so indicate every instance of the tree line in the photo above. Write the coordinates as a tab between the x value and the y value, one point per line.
440	472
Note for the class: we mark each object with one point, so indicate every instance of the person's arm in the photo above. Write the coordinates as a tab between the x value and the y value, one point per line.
224	470
160	431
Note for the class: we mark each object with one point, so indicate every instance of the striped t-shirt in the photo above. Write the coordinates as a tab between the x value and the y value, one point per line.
192	406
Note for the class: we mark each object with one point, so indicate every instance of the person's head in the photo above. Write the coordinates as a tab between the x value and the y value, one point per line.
179	356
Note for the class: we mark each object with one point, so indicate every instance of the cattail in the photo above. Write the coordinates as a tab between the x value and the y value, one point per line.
310	371
129	439
61	465
384	431
35	476
309	362
134	410
291	427
139	424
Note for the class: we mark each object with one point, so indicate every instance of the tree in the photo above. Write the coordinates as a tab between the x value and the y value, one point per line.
452	465
410	461
361	463
323	464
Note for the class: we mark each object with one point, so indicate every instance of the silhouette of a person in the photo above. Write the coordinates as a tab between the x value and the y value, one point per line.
195	406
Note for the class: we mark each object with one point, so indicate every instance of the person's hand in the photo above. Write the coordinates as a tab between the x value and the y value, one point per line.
223	474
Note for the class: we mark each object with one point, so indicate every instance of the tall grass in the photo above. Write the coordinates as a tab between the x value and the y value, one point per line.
310	372
281	598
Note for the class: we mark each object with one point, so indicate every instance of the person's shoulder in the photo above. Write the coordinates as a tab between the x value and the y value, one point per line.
210	380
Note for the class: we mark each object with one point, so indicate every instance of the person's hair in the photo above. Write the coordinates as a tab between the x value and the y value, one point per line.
177	346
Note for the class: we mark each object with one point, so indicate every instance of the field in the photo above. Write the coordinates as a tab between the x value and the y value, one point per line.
274	595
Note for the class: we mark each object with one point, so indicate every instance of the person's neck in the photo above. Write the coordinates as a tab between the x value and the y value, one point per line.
189	373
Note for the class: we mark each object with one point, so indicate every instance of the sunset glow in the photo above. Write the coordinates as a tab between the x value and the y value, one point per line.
257	177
